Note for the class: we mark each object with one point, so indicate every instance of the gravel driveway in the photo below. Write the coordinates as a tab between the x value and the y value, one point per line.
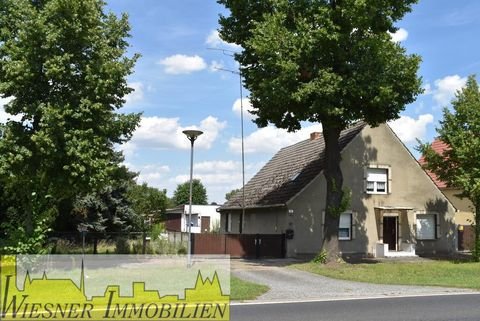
287	284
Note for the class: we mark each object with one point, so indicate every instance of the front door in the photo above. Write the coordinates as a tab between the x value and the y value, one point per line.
390	232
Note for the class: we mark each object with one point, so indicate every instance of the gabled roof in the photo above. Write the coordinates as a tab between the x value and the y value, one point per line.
288	172
438	146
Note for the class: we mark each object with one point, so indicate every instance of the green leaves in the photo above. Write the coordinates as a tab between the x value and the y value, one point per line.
64	63
181	195
459	164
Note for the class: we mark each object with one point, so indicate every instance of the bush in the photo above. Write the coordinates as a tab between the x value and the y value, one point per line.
122	246
321	257
182	250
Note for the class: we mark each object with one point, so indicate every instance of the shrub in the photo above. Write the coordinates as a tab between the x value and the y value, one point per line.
321	257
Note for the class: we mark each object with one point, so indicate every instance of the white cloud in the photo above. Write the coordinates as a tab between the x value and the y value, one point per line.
4	116
182	64
215	66
152	174
166	133
136	95
399	35
270	139
445	88
409	129
427	89
247	106
219	177
214	40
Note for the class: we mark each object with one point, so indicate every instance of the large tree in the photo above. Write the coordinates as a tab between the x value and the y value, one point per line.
147	200
181	195
63	62
326	61
459	164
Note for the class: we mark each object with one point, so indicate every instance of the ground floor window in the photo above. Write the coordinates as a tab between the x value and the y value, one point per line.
426	226
345	227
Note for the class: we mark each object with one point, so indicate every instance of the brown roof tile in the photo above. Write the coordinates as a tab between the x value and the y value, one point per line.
290	170
438	146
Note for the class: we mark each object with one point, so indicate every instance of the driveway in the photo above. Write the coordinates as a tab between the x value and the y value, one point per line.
288	284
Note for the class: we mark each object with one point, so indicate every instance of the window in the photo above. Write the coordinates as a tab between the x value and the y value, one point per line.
345	227
377	180
426	226
194	221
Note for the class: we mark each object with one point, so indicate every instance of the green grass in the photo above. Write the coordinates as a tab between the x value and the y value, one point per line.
435	273
244	290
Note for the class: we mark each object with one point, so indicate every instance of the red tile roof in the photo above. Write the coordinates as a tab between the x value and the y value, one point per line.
438	146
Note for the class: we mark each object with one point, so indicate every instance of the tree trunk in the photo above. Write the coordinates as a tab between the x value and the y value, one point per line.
476	246
334	178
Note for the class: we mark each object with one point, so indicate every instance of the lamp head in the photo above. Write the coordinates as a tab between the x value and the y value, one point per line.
192	134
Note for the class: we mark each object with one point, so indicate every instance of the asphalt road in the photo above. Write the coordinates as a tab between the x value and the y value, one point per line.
427	308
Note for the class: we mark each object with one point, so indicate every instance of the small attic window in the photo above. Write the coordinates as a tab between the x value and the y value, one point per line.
294	176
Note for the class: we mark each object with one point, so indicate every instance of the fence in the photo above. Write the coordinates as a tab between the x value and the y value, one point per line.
466	237
240	245
115	242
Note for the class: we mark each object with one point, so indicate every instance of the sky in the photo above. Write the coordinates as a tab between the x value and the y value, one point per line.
179	85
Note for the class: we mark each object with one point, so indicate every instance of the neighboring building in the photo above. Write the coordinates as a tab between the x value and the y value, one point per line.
205	218
464	215
395	207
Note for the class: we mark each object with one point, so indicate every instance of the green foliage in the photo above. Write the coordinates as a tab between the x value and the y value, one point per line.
321	257
106	211
459	165
148	200
331	62
122	246
230	194
157	229
28	244
182	193
63	62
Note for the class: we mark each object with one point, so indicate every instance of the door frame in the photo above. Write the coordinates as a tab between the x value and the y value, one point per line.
397	221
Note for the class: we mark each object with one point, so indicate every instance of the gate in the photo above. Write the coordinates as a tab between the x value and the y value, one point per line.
240	245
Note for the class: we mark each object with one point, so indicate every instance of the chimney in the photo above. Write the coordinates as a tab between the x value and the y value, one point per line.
315	135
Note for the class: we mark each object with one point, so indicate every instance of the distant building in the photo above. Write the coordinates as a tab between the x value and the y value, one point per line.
205	218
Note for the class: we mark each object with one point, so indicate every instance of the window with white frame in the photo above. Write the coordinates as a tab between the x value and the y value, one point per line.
345	226
426	226
377	180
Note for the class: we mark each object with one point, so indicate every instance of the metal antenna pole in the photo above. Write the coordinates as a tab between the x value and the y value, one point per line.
239	73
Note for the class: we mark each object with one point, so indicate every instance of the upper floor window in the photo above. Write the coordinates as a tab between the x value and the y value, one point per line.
377	180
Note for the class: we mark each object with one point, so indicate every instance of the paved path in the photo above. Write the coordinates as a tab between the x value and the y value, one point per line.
287	284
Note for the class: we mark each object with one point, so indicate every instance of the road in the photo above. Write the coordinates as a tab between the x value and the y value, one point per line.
424	308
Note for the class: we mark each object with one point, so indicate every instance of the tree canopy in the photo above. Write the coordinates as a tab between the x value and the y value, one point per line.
459	164
331	62
63	63
147	200
181	195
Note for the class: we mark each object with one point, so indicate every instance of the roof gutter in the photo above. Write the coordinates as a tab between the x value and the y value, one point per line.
238	208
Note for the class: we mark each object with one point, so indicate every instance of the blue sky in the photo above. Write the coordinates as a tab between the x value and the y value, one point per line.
178	87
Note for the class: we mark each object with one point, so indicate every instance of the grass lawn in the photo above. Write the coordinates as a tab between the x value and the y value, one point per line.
437	273
244	290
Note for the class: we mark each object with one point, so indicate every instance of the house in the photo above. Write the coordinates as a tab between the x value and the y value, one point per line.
205	218
395	206
464	216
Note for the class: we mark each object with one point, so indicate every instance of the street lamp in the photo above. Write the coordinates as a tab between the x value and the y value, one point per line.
192	135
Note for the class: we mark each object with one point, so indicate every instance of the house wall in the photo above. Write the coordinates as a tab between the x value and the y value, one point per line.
305	218
465	208
256	221
409	187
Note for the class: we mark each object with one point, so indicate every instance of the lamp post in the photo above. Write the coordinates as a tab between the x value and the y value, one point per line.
192	135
